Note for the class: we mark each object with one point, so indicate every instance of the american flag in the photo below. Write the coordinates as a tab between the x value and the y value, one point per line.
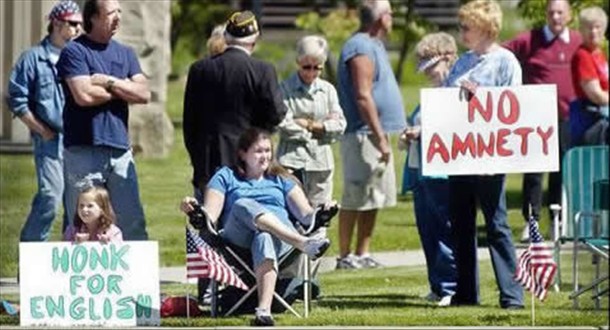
203	261
536	267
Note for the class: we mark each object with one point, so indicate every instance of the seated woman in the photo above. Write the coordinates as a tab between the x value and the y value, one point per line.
256	196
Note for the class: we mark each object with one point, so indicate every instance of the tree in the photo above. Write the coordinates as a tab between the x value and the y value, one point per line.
194	20
535	11
340	23
413	29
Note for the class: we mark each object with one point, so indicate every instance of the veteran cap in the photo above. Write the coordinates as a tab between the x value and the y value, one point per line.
242	26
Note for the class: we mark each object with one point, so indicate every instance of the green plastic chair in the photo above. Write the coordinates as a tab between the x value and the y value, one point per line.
585	212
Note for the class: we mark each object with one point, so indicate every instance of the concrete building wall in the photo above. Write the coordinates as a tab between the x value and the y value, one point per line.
23	24
145	27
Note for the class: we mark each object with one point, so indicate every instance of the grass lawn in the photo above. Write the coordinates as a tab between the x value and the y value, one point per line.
163	182
392	297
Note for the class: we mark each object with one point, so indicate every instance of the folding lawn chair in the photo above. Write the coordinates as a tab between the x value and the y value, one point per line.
584	219
240	259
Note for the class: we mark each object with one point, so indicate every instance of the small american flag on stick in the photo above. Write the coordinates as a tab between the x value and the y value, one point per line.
536	267
203	261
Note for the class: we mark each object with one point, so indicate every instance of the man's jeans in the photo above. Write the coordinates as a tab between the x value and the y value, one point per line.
45	205
113	169
489	192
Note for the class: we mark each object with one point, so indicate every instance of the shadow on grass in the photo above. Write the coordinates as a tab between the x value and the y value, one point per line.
368	301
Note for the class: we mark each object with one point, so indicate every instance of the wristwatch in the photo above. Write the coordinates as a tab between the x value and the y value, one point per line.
109	85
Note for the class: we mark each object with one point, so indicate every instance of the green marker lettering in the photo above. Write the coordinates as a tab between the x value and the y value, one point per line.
77	312
34	307
79	259
55	308
95	284
116	257
107	309
98	258
92	315
126	312
144	305
75	283
62	261
113	284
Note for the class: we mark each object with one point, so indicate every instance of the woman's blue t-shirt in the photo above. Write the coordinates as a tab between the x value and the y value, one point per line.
270	191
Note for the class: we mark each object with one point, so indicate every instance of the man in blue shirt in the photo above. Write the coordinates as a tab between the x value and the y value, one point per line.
372	104
36	98
101	77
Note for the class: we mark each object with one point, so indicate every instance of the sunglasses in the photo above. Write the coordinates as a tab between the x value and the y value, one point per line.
312	67
464	27
73	24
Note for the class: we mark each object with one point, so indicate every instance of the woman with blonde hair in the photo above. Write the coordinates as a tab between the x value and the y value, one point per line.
216	43
487	64
589	113
436	53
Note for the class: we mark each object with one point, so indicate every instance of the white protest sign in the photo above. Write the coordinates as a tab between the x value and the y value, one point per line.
500	130
89	284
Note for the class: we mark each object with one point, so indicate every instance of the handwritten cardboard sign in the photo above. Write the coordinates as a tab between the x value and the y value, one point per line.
89	284
500	130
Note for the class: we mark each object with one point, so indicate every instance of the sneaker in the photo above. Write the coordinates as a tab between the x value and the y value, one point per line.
525	235
348	262
445	301
368	262
262	318
321	218
431	296
315	247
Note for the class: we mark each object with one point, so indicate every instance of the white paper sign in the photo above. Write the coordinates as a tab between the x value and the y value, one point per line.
89	284
500	130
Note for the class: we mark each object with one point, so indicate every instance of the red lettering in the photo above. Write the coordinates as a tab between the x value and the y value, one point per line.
501	141
544	136
437	146
514	113
475	104
523	132
487	148
461	146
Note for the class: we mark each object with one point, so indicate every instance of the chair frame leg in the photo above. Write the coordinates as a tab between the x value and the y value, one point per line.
594	286
255	287
557	228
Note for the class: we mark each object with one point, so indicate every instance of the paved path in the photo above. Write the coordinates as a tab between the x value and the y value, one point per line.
178	274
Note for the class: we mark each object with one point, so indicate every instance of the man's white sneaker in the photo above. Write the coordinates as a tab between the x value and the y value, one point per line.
445	301
348	262
368	262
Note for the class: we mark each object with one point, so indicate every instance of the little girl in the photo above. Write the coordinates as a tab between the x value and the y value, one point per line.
94	218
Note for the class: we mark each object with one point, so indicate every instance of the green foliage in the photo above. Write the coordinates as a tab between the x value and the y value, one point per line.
336	27
535	11
194	20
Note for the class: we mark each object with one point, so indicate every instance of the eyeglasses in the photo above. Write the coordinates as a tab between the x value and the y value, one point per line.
312	67
463	27
73	24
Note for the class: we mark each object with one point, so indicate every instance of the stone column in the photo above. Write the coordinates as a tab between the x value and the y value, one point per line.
145	26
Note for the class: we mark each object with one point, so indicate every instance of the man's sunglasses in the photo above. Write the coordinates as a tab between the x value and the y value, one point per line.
312	67
73	24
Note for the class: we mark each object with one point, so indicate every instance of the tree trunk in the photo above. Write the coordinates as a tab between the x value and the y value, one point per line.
406	42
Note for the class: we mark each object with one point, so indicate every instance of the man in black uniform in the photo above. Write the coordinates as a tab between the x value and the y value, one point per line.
226	94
